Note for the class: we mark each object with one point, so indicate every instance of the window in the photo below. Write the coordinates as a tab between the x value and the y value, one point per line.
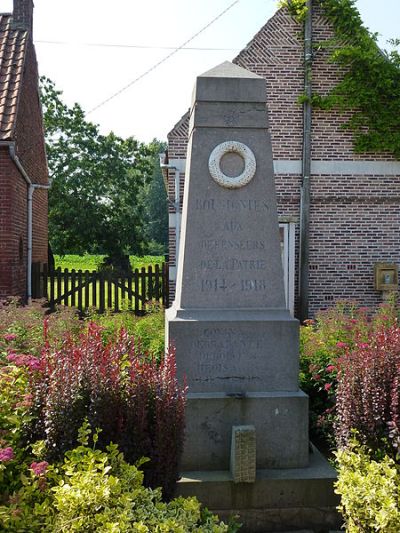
287	238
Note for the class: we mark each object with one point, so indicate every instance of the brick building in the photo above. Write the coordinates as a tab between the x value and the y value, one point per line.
23	165
354	215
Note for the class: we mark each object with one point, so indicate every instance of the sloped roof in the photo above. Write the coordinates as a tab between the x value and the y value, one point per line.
12	54
181	128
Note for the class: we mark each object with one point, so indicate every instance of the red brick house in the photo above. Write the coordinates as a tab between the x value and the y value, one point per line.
23	165
354	214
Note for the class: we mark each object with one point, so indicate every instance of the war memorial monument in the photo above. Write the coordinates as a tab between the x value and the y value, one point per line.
247	448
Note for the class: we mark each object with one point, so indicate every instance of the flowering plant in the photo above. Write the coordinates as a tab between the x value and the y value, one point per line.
134	400
322	342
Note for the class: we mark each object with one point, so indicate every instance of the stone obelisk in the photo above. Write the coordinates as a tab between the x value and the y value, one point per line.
236	343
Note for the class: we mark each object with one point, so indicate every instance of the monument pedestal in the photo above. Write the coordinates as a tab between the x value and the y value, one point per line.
284	500
281	435
242	368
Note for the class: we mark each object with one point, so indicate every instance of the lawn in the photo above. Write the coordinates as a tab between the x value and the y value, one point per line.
91	262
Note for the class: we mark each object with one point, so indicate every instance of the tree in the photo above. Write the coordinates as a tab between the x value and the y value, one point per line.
155	205
96	179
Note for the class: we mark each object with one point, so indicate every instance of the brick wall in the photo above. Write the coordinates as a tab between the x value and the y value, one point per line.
13	224
13	213
30	149
354	218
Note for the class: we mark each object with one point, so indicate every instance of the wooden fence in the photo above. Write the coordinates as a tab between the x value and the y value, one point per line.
103	291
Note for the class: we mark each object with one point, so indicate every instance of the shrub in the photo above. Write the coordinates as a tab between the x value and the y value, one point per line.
93	490
322	342
135	401
150	330
368	390
369	491
21	327
15	403
147	330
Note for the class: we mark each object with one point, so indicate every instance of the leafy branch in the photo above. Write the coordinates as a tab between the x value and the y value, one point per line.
370	87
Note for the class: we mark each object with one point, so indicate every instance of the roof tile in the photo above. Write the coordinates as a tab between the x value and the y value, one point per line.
12	53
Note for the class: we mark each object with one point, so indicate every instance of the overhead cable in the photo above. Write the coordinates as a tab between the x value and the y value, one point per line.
136	46
164	59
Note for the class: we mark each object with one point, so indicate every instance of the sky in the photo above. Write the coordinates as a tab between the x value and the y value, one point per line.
71	38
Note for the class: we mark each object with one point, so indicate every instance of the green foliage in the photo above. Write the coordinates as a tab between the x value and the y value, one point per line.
147	330
297	8
25	323
370	87
322	342
92	261
98	491
155	205
99	174
369	490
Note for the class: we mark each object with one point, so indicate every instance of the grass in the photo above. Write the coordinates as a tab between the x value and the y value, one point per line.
91	262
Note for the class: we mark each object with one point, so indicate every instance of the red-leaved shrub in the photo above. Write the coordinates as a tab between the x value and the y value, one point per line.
136	402
368	390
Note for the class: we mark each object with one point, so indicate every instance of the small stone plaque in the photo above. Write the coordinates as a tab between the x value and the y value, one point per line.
243	454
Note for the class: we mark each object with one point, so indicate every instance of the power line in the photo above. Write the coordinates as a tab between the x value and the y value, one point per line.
164	59
136	46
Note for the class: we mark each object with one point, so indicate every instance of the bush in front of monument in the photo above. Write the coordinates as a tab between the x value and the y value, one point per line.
369	490
368	392
356	360
135	400
323	342
93	490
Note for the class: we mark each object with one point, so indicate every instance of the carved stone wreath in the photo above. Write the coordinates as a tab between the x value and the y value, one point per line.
249	164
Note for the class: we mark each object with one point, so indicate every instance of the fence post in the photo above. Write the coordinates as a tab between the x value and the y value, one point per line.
35	280
165	284
45	276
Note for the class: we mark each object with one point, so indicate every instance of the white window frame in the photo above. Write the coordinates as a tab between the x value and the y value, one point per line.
288	262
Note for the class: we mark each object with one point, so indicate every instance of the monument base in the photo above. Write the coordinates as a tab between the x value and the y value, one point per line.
279	500
280	421
235	350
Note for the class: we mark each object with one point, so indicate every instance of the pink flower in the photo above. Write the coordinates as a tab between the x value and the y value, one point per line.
363	345
327	386
341	345
316	377
6	454
10	337
32	362
330	368
39	468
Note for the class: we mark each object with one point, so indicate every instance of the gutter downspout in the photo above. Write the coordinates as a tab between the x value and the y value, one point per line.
31	189
305	187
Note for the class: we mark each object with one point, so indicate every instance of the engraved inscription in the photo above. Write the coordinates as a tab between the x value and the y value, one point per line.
233	226
245	285
228	244
233	264
253	285
214	285
223	351
212	204
231	118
